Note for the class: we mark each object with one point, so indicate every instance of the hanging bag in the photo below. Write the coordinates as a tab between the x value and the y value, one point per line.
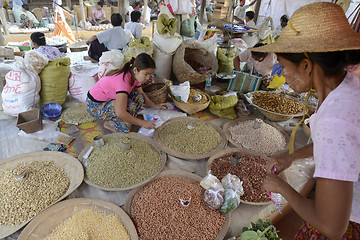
245	80
265	31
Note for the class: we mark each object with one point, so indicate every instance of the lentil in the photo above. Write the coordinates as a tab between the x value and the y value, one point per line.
90	224
276	102
110	166
22	200
199	140
76	114
251	170
266	139
157	213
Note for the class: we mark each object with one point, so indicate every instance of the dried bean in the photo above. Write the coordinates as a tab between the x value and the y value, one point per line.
275	102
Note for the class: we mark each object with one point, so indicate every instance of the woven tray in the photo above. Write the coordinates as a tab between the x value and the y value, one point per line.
48	220
242	151
191	108
273	116
177	173
222	144
71	165
230	124
149	140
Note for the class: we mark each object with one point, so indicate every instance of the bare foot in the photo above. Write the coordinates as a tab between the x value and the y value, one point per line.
107	126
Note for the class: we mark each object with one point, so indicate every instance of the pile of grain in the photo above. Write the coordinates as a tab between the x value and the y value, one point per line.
21	200
76	114
90	224
158	214
199	140
251	170
110	166
278	103
266	139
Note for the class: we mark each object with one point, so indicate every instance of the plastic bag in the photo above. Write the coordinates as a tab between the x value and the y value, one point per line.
209	180
233	182
181	91
108	61
232	201
214	196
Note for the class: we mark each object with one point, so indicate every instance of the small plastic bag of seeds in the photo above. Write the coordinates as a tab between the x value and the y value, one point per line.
233	182
232	201
209	180
214	196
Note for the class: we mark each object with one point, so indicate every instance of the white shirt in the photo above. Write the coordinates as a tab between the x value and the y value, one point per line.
277	32
135	28
240	12
115	38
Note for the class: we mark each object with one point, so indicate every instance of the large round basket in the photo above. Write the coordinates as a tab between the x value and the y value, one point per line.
71	166
78	46
222	144
233	123
43	224
157	92
191	108
241	151
176	173
273	116
130	135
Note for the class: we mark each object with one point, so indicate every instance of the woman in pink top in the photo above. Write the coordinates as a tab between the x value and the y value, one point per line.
98	15
314	50
118	97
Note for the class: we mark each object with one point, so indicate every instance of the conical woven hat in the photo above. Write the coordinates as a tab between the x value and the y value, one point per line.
317	27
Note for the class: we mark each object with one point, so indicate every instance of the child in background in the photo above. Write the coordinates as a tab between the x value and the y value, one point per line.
239	12
118	97
249	22
283	23
135	26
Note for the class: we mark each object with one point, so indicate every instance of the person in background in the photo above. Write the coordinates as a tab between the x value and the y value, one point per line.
39	42
118	97
98	15
135	26
249	19
239	12
263	62
17	9
114	38
314	52
283	23
137	6
28	19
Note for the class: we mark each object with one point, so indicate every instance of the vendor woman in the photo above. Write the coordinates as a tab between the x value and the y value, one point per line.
39	42
314	50
118	96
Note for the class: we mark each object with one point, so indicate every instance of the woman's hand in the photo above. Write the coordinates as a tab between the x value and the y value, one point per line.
147	124
161	106
278	164
273	183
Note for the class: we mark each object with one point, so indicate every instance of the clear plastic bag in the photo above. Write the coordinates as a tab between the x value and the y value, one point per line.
214	196
209	180
232	201
233	182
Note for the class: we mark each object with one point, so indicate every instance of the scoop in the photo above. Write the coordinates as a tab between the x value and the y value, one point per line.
191	125
20	176
257	123
236	158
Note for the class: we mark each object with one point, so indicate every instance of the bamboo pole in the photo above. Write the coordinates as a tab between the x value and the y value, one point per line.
3	20
257	8
202	10
121	9
82	12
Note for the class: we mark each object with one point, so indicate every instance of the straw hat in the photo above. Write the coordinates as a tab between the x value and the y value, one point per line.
317	27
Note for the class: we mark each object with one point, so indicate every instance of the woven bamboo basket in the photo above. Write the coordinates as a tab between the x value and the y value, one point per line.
43	224
241	151
157	92
190	107
71	166
78	46
176	173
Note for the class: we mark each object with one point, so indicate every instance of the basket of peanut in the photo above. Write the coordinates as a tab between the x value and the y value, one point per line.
276	106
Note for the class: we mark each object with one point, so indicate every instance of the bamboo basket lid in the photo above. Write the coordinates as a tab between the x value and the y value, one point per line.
222	144
235	122
177	173
71	165
43	224
241	151
148	140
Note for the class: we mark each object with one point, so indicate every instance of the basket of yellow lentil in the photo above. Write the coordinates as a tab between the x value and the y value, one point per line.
191	106
276	106
34	181
114	168
81	218
189	138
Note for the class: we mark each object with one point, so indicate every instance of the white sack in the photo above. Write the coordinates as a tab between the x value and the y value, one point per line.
110	60
82	79
166	42
163	63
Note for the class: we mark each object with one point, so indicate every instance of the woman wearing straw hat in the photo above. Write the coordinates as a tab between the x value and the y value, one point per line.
314	51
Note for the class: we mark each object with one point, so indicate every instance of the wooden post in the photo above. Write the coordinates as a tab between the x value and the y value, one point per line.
121	8
257	8
202	10
82	10
68	3
3	20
